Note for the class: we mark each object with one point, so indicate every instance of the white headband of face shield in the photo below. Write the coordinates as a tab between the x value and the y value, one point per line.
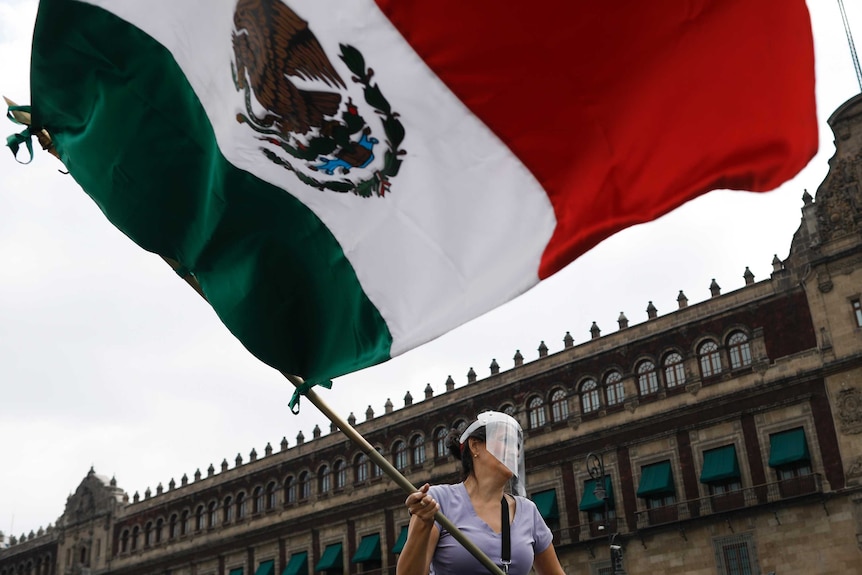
505	441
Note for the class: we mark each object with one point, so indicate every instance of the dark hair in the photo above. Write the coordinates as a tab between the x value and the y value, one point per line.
453	444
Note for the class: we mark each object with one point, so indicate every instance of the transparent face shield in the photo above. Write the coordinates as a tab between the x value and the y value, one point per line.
505	441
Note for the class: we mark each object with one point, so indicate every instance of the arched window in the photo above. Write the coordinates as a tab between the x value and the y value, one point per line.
199	518
614	388
160	523
589	392
227	509
360	468
271	496
674	371
399	454
647	378
440	435
417	449
185	523
739	350
172	527
559	405
148	534
241	505
212	514
259	499
135	532
536	412
124	541
710	361
290	490
324	479
339	470
508	409
304	486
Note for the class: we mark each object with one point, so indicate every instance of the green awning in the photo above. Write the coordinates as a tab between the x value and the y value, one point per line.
265	568
298	564
236	571
369	549
589	501
788	447
656	479
331	559
402	539
546	501
719	465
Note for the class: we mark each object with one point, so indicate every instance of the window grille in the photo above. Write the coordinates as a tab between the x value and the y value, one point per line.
736	555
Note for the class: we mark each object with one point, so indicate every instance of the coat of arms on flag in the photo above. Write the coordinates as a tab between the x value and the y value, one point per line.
310	121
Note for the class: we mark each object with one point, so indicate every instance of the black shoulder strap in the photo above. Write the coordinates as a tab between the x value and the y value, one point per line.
507	536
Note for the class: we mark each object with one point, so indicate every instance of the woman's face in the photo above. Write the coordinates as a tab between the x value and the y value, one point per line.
488	459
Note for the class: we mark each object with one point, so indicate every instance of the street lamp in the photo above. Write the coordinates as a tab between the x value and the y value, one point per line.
596	469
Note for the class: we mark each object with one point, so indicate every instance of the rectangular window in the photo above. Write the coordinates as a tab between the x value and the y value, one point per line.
546	503
603	568
721	475
722	488
792	471
857	311
790	458
658	501
735	555
597	519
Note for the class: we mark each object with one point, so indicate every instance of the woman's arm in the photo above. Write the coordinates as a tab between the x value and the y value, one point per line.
547	563
422	534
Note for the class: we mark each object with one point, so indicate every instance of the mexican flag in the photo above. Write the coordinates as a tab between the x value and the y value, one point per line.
347	179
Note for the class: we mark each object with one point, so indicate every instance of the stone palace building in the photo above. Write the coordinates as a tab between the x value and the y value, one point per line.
730	433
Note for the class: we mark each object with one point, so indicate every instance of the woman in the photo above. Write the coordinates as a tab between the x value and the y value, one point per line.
491	455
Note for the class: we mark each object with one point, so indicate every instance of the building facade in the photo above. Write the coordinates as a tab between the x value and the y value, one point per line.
729	433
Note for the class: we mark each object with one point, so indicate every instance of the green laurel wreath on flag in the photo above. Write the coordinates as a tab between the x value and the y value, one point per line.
379	182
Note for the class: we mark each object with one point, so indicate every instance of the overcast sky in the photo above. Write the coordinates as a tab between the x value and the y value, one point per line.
107	359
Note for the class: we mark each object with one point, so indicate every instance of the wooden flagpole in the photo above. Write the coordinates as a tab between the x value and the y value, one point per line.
366	447
45	140
391	471
363	445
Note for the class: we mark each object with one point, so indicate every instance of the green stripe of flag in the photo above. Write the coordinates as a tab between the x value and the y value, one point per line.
134	135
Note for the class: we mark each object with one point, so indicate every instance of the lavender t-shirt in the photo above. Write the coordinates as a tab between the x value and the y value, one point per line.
529	535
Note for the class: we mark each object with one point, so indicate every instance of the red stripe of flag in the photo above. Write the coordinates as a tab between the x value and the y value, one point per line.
625	110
